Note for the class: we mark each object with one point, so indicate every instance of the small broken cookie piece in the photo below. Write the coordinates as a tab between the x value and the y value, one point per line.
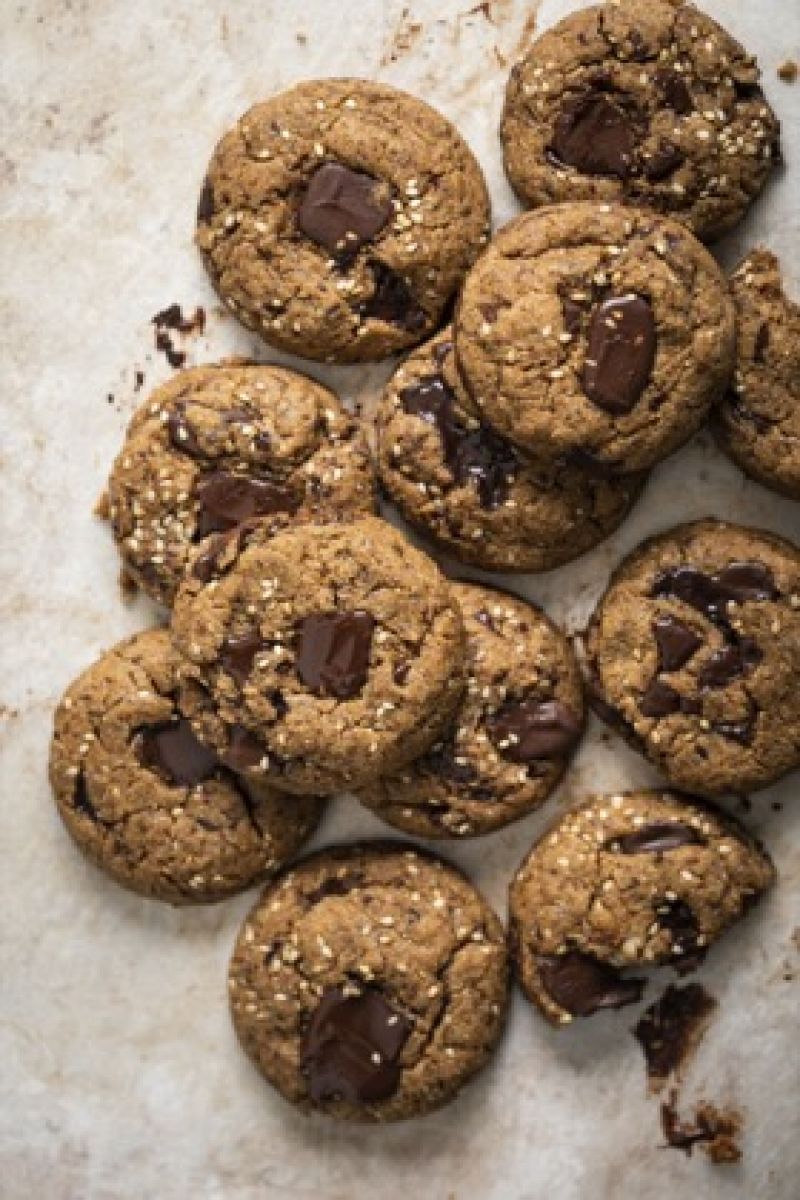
370	983
149	803
621	882
694	652
222	444
319	657
337	219
717	1131
758	421
646	102
512	736
469	489
595	335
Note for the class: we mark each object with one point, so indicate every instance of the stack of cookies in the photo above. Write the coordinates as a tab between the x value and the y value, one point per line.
312	649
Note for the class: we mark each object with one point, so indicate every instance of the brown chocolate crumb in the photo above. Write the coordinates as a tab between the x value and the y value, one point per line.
138	380
787	71
171	319
670	1030
715	1130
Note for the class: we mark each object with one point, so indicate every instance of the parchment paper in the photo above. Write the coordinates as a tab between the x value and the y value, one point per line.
119	1074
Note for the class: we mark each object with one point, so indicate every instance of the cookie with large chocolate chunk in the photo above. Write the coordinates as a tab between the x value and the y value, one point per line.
758	421
512	736
479	497
649	102
338	218
222	444
693	653
639	879
595	334
370	982
320	657
150	804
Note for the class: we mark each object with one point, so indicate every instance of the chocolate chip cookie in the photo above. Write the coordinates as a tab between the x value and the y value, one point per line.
221	444
693	653
474	493
338	218
639	879
645	101
320	657
759	419
511	738
595	333
150	804
369	982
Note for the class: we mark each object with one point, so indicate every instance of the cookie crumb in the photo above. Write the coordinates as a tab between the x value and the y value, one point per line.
716	1130
787	71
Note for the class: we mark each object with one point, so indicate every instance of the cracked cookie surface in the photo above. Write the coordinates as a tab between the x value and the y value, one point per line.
637	879
338	218
512	736
759	418
218	445
693	653
645	101
146	801
321	657
596	334
474	493
369	982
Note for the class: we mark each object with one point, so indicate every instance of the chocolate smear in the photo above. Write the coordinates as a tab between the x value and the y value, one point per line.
670	1030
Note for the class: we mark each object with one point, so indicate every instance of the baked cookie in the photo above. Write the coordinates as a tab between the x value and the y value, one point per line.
640	879
146	801
595	333
370	982
759	419
220	444
338	218
645	101
320	657
693	653
511	738
474	493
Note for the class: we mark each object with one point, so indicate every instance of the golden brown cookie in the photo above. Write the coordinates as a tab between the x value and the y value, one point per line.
150	804
370	982
649	102
338	218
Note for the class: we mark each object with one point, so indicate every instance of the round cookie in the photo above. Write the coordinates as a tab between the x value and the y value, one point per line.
338	218
220	444
693	653
595	333
511	738
147	802
634	880
370	983
321	657
759	419
645	101
474	493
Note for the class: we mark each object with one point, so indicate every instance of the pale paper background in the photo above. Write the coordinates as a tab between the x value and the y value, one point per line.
119	1072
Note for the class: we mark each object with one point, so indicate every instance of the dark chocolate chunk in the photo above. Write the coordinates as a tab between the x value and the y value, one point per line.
173	752
244	749
525	730
181	434
676	642
665	159
582	985
226	500
661	700
441	761
343	209
238	653
711	594
729	663
745	581
677	917
333	652
670	1029
205	203
80	799
594	135
351	1047
401	673
475	455
392	300
674	90
656	838
761	343
620	353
